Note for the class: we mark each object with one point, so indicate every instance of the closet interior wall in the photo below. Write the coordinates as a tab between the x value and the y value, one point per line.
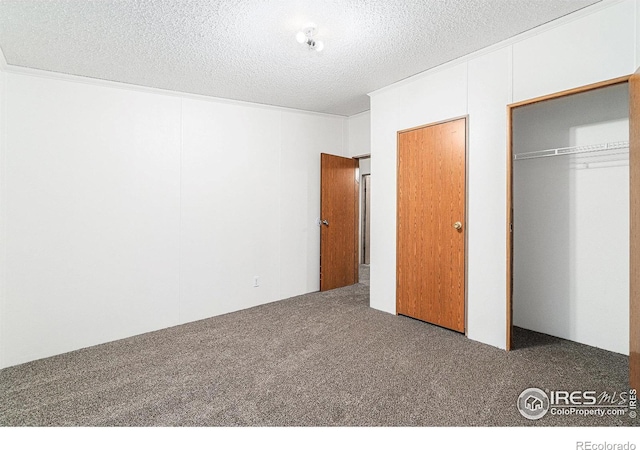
571	219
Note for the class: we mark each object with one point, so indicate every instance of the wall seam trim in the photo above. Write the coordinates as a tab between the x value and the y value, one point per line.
511	75
467	85
635	36
39	73
280	194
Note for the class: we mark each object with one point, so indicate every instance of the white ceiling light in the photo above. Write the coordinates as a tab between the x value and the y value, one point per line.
306	37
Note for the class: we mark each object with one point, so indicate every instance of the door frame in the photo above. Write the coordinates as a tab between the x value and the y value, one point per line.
365	208
466	203
510	109
361	204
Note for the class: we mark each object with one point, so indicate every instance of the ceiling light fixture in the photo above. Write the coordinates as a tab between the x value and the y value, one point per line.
306	37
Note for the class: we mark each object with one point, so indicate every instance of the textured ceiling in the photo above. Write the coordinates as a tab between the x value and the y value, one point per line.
246	50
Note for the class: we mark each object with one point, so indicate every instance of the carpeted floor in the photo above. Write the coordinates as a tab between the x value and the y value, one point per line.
321	359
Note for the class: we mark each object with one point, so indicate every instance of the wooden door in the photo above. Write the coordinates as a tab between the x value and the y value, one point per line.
634	212
339	216
431	224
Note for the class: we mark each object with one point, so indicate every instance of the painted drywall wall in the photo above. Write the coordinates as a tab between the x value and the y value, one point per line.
365	166
359	132
489	90
577	53
304	137
91	215
571	221
637	34
3	244
131	210
481	85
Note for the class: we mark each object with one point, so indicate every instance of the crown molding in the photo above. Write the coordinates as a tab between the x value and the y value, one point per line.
353	116
59	76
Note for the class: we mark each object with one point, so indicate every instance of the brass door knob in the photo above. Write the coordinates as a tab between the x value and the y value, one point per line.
457	225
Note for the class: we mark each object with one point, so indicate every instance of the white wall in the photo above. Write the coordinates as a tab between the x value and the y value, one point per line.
594	48
92	214
489	92
126	210
359	134
365	166
571	224
304	137
3	244
564	54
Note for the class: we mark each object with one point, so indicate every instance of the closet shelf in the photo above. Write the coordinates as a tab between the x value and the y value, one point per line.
572	150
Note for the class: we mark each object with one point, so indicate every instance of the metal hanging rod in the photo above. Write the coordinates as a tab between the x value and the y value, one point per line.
572	150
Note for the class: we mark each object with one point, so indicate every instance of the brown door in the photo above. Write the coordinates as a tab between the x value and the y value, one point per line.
339	216
634	262
431	224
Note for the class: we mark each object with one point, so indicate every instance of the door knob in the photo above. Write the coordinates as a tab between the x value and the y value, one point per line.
457	225
325	222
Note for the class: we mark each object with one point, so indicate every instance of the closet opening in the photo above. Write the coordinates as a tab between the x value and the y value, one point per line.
568	211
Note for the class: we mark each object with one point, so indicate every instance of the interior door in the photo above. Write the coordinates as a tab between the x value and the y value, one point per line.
634	212
339	217
431	224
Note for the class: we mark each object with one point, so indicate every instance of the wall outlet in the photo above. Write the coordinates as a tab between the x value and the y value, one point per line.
256	281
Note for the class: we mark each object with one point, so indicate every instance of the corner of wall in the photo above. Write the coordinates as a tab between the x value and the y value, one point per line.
359	132
637	62
345	137
3	61
3	65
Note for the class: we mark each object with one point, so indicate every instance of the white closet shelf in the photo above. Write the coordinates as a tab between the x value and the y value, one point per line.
572	150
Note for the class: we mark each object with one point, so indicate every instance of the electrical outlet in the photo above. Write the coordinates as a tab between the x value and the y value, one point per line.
256	281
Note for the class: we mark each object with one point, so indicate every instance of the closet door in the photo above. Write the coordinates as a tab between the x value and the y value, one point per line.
431	222
634	181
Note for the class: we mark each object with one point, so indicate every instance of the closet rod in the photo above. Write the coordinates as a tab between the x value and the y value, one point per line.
572	150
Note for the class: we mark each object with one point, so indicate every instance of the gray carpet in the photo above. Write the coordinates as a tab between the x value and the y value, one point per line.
364	274
322	359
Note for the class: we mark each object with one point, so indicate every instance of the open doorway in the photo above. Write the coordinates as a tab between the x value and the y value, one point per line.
365	219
